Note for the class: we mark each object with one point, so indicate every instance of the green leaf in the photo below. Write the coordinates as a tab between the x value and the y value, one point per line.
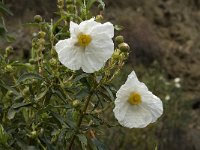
82	138
90	3
4	9
109	92
20	105
29	76
102	3
84	75
98	144
42	94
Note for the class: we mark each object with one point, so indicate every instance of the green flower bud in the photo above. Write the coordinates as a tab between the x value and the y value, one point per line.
41	41
25	91
37	18
124	47
9	94
119	39
8	69
32	61
9	49
76	103
41	34
116	54
53	62
100	7
99	18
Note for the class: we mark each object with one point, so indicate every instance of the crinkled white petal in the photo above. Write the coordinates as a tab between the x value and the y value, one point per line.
136	116
97	53
74	29
106	28
87	26
68	54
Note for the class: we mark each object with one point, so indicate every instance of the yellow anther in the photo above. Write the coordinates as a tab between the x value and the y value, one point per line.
84	40
135	98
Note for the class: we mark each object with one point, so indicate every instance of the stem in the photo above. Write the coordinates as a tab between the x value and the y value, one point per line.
80	120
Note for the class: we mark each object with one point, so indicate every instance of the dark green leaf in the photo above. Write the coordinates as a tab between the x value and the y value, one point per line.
4	9
98	144
29	76
84	75
19	105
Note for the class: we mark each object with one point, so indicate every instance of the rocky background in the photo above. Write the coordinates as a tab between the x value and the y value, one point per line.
165	31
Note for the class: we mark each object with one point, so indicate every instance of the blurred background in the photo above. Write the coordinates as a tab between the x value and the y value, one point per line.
164	38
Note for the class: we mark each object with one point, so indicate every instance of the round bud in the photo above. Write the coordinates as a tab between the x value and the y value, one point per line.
31	61
53	62
41	41
119	39
76	103
99	18
124	47
33	134
10	93
37	18
9	49
41	34
8	68
100	7
25	91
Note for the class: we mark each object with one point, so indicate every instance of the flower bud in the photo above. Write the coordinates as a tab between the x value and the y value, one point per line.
37	18
100	7
53	62
41	34
76	103
99	18
32	61
119	39
124	47
9	49
8	68
9	94
25	91
116	54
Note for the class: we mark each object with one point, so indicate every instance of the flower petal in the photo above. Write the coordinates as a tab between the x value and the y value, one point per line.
86	26
68	54
74	29
106	28
153	104
97	53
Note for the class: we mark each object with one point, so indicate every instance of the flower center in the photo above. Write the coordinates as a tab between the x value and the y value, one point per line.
135	98
84	40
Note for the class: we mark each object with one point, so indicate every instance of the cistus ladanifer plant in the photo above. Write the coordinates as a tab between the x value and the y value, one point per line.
56	100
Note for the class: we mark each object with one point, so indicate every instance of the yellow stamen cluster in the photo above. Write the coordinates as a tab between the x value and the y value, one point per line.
135	98
84	40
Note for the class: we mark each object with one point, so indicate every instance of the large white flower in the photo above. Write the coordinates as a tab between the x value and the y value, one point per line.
135	105
89	47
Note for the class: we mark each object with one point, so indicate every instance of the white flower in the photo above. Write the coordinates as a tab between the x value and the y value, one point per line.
135	105
89	47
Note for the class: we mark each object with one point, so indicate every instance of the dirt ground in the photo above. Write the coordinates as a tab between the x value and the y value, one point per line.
164	30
